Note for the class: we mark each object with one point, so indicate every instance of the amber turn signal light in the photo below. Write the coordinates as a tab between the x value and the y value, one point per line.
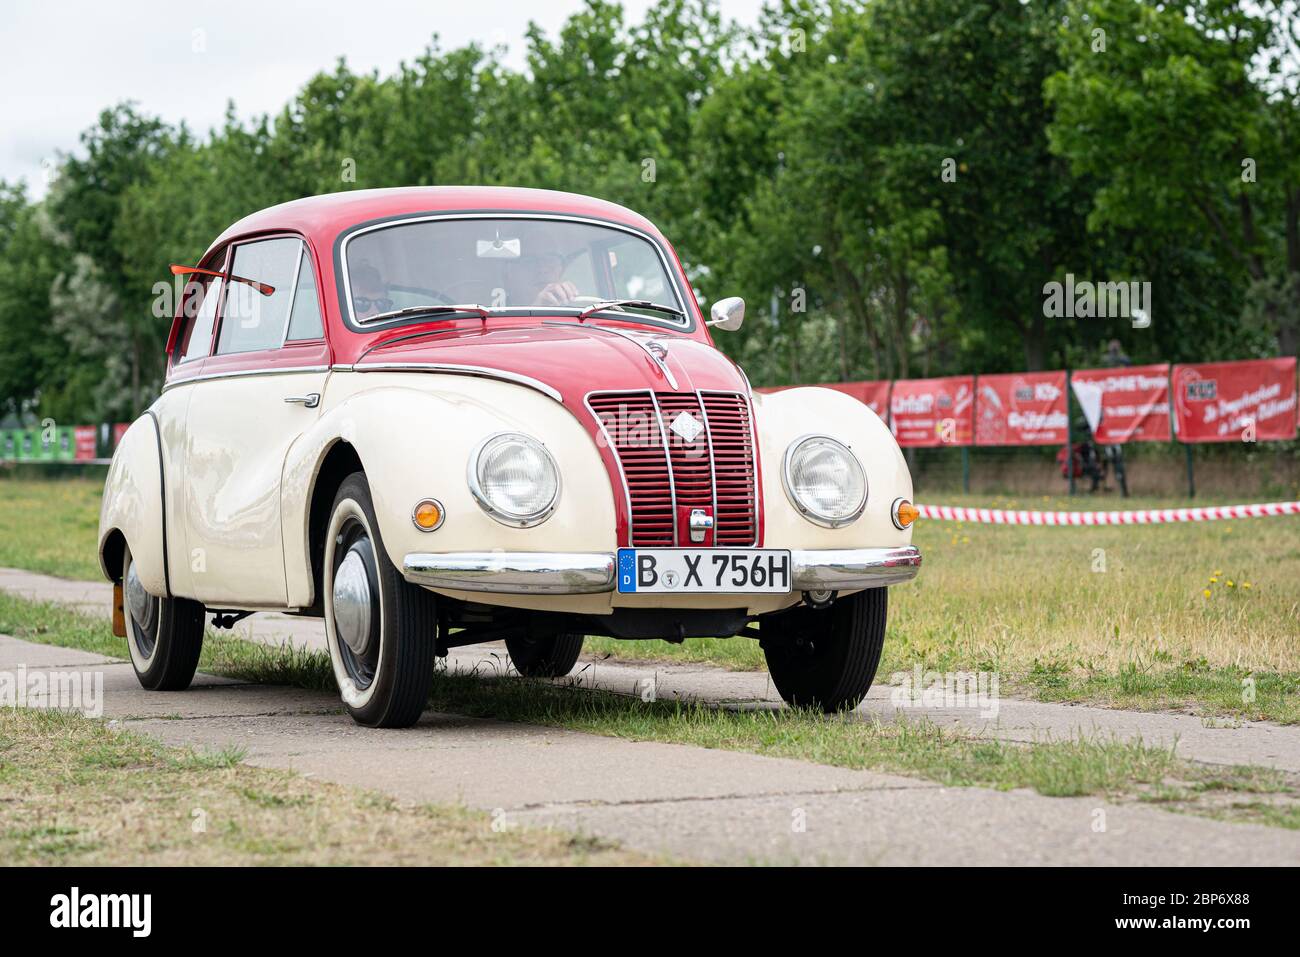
427	514
904	513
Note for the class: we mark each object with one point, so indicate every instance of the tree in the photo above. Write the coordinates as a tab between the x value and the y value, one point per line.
1187	116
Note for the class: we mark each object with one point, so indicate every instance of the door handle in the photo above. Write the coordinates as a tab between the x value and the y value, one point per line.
310	400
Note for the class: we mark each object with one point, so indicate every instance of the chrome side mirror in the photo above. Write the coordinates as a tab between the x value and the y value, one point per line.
727	313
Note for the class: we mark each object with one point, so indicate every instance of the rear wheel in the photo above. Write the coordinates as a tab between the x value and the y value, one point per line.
379	627
826	658
164	635
551	656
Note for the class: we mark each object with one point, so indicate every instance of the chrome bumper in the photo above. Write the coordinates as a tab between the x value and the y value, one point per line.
583	573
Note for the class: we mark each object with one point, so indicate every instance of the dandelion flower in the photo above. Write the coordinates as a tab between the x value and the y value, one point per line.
1206	593
1213	581
1230	584
1245	584
1218	573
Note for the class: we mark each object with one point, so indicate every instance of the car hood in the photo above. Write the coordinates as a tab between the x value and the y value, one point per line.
572	360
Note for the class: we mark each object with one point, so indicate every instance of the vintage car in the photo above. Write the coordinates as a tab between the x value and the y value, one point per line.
444	416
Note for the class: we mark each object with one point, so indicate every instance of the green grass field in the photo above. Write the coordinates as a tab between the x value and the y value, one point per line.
1201	617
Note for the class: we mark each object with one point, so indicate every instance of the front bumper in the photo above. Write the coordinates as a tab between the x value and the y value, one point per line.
586	573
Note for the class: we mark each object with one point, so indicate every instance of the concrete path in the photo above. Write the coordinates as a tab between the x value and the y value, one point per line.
1217	742
687	802
692	803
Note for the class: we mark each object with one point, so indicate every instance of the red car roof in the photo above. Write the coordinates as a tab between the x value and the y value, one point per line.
321	218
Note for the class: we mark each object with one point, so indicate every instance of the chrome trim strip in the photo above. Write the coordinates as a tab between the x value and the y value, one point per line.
753	441
448	368
713	466
854	568
668	463
243	373
514	573
618	459
687	322
583	573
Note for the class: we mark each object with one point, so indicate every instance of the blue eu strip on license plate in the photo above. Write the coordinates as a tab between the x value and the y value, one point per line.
704	571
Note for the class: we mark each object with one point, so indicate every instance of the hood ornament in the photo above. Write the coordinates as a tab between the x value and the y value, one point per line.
655	349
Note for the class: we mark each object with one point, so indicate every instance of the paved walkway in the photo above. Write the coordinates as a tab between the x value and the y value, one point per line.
693	803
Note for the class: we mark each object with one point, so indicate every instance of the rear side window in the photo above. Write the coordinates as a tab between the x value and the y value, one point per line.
255	317
304	321
202	295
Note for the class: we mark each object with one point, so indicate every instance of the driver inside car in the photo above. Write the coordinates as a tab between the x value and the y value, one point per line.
369	292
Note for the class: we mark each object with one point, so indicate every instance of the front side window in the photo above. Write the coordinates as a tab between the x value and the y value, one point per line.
506	264
254	318
304	320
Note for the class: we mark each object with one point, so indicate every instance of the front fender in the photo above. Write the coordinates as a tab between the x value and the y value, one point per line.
785	416
133	507
414	433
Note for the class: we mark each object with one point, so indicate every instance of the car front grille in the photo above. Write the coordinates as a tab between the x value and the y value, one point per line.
662	472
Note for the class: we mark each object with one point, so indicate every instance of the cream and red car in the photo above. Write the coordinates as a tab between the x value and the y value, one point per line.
450	415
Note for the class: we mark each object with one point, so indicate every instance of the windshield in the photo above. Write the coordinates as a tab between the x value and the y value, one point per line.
505	264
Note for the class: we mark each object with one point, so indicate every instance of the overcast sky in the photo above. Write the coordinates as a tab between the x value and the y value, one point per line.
65	60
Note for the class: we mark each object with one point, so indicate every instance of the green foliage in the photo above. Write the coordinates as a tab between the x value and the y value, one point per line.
889	184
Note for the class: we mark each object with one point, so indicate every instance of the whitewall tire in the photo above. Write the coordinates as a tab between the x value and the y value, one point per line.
380	628
164	635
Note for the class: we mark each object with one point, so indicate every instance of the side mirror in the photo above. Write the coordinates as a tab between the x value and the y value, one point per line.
727	313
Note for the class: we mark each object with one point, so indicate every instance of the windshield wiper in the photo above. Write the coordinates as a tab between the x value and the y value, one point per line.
620	303
478	310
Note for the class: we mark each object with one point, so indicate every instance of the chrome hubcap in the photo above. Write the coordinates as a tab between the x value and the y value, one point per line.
138	601
352	602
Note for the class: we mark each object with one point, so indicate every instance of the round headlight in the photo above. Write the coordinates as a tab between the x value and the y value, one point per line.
825	481
514	479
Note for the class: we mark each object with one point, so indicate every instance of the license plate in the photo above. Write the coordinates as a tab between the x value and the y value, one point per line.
704	571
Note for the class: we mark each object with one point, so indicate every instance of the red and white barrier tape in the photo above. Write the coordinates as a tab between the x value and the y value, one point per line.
1153	516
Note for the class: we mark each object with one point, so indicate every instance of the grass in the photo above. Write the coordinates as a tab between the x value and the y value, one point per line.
1033	604
77	791
50	526
1105	767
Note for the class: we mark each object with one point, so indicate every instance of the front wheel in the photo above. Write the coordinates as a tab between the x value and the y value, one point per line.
379	627
164	635
826	658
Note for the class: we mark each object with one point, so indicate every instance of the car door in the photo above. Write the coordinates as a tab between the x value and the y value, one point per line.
187	351
259	391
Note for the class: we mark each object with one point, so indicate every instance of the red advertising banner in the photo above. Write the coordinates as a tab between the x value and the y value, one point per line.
1253	400
1022	408
84	436
1129	404
119	430
871	393
927	412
